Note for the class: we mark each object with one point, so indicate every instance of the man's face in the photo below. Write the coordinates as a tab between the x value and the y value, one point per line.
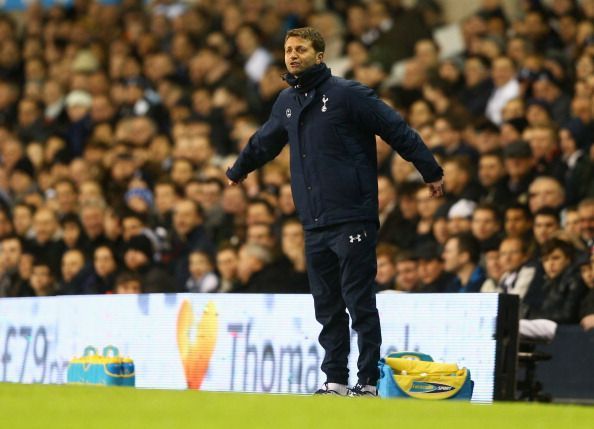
511	255
11	253
247	265
72	263
493	265
45	225
41	278
66	196
92	220
129	287
516	223
544	228
227	264
451	257
185	217
554	263
586	217
407	275
104	262
490	170
484	224
430	270
300	55
292	237
385	269
260	234
131	226
134	259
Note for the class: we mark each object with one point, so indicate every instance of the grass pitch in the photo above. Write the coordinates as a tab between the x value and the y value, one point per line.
89	407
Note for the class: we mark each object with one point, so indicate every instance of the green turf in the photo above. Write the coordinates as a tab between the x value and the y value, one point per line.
64	407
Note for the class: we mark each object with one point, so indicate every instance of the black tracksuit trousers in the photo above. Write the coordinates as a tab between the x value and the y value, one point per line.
341	266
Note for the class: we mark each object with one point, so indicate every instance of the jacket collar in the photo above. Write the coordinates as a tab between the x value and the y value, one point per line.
309	79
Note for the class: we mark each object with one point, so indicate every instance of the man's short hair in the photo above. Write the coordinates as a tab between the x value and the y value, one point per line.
259	252
311	34
126	277
405	256
521	208
548	211
467	243
556	243
387	250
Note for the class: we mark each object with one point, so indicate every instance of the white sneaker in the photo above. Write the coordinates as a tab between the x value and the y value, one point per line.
360	390
333	389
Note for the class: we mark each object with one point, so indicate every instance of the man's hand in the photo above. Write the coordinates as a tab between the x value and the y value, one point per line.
233	182
436	188
587	322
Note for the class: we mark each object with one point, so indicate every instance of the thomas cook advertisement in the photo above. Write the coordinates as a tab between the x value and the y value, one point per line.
244	343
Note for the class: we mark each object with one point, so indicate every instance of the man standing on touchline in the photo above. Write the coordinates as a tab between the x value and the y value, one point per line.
330	124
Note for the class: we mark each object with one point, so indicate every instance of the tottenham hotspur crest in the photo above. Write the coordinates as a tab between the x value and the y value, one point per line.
324	100
288	113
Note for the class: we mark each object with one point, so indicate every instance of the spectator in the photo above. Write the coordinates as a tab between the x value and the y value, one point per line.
491	262
571	221
45	244
492	177
518	221
407	272
449	130
586	266
72	235
293	248
11	283
23	220
188	234
128	283
432	275
251	269
202	277
138	258
426	207
105	270
518	273
519	165
165	198
42	279
562	289
66	197
461	257
460	216
460	184
477	85
546	224
485	224
506	88
396	228
92	216
586	216
386	268
227	262
74	273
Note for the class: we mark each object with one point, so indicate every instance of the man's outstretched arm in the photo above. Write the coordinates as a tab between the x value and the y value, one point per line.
264	145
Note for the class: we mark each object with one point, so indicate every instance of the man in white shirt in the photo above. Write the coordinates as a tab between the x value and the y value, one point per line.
503	73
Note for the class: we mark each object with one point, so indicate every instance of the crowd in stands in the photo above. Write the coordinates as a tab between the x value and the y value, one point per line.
118	121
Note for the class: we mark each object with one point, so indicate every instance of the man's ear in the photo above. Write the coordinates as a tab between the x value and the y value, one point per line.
319	57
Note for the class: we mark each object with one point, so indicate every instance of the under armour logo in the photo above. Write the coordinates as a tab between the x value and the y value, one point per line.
357	237
324	108
288	113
